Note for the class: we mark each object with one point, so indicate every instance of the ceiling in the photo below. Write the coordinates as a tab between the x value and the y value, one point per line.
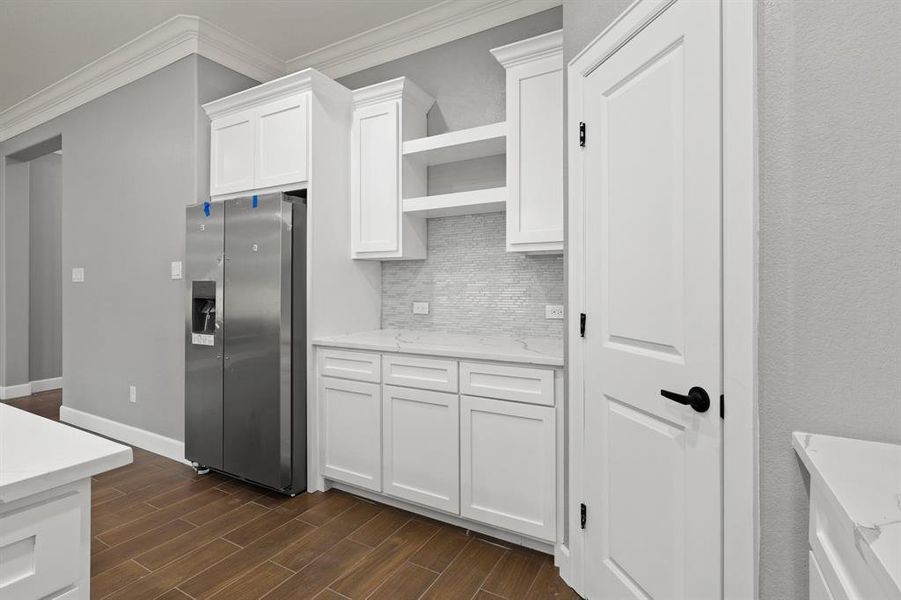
42	41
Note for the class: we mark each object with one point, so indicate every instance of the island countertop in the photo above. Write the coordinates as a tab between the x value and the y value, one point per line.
528	350
37	454
864	478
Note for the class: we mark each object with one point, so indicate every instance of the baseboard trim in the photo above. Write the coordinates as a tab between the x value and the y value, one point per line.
15	391
45	385
146	440
489	530
32	387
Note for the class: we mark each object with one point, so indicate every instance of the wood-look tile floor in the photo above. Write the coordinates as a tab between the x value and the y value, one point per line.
161	531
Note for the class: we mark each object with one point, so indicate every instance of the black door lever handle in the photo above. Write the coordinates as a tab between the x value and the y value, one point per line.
697	398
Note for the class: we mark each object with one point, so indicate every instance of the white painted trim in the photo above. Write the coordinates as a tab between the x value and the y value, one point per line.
163	45
184	35
740	289
541	46
445	22
44	385
152	442
15	391
741	511
289	85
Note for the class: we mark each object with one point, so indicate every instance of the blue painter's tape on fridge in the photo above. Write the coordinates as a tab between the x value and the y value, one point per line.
206	208
256	200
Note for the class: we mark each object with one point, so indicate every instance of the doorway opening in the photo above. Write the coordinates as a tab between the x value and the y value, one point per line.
31	341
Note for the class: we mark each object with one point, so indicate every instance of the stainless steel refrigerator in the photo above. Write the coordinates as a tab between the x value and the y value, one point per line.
245	343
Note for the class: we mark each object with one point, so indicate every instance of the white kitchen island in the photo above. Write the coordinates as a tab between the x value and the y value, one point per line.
45	504
855	517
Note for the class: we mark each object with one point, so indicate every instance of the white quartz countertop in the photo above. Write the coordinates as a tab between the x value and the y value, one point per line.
865	479
529	350
37	454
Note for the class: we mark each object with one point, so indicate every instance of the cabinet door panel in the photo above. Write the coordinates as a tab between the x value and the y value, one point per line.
351	433
507	465
375	179
232	154
281	145
535	156
421	447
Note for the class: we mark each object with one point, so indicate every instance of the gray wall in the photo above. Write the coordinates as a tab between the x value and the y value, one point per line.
468	85
473	284
830	243
45	360
131	165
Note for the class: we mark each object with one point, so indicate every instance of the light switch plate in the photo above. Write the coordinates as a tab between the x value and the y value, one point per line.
175	270
77	274
420	308
132	394
553	311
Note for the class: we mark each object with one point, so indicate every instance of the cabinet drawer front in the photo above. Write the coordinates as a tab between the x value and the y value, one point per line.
421	446
520	384
419	372
40	547
346	364
351	432
508	465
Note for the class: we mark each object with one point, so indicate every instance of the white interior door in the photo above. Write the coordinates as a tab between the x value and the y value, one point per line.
652	282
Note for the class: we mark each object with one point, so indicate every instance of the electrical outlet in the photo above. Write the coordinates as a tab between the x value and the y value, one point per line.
553	311
77	274
132	394
420	308
175	270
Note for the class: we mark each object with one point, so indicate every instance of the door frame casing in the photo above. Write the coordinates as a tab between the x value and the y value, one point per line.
739	139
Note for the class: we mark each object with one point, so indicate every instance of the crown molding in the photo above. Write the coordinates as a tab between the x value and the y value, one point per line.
439	24
542	46
163	45
289	85
184	35
400	88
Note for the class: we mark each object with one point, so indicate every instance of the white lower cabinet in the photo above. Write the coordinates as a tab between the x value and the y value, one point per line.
507	465
489	460
350	432
421	432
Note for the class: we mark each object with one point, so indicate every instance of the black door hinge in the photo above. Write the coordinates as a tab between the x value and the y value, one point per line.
722	407
582	134
583	514
582	319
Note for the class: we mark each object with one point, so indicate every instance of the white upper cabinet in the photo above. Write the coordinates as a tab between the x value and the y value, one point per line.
384	116
534	143
261	138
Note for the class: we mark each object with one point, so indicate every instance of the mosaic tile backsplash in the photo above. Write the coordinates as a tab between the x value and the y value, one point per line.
472	284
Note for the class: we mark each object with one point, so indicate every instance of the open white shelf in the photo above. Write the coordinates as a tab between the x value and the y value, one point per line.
460	203
476	142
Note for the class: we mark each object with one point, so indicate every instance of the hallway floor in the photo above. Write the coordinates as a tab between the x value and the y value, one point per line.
161	531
